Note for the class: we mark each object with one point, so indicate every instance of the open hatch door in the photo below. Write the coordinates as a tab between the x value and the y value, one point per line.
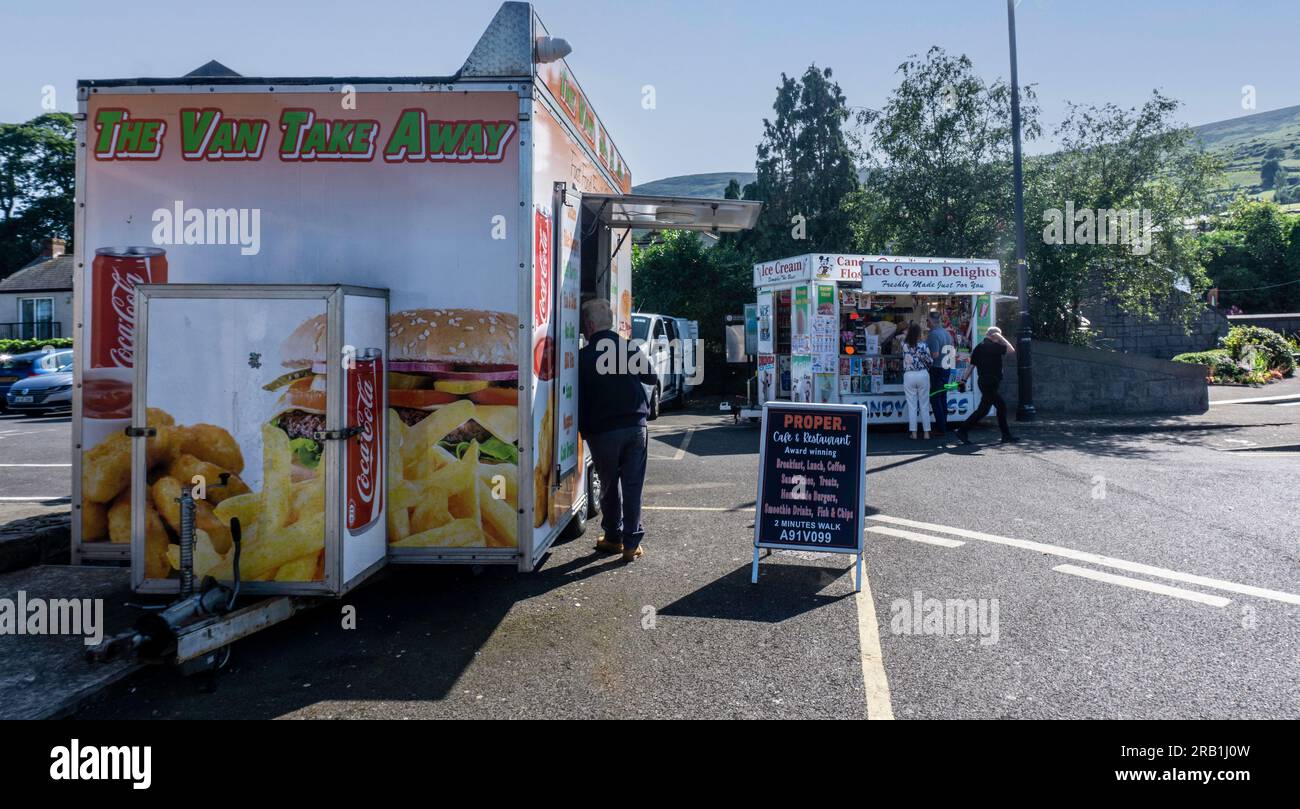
648	212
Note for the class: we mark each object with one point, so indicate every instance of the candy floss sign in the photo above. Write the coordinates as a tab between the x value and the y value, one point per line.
364	448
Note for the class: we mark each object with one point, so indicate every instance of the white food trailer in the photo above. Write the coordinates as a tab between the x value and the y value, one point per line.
328	324
830	326
486	206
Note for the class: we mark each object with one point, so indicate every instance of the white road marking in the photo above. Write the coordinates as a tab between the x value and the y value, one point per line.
680	452
31	465
942	542
1257	399
686	442
874	680
1104	561
33	499
1139	584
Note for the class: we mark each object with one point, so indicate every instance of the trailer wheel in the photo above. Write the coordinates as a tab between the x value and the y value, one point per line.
577	525
593	492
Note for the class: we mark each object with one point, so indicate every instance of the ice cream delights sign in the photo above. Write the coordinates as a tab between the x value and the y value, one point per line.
899	275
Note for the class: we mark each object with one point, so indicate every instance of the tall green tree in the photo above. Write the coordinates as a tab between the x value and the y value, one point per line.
1253	257
678	275
37	173
805	168
939	162
1271	174
1131	178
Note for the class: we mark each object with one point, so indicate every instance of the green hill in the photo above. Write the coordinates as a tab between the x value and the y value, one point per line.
1244	144
695	185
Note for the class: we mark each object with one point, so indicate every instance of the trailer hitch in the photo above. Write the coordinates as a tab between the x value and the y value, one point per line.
157	635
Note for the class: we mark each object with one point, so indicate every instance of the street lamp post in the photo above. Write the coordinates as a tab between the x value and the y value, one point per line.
1025	337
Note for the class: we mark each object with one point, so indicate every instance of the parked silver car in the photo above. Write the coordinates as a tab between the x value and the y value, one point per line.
41	394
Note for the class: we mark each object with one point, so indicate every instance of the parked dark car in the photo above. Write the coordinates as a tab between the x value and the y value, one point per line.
16	367
41	393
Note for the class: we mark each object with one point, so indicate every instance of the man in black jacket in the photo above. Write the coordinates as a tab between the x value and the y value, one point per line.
987	360
612	410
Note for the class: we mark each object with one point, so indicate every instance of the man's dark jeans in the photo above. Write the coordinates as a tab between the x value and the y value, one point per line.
939	400
620	458
989	397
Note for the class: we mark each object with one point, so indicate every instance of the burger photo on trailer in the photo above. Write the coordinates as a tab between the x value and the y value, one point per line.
453	393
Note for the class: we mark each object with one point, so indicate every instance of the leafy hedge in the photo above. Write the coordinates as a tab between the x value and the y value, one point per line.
1220	367
1250	355
1268	344
23	346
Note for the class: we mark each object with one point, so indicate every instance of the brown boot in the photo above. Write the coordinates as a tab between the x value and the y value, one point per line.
633	554
609	546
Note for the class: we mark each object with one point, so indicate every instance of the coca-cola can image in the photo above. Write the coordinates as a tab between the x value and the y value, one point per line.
114	275
365	469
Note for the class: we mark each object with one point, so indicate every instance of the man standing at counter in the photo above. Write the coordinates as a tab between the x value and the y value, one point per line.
612	411
937	340
987	359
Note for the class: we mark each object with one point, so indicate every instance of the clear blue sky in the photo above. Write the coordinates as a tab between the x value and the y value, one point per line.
714	64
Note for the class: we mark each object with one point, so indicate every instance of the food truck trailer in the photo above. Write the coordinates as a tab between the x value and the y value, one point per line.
344	313
830	327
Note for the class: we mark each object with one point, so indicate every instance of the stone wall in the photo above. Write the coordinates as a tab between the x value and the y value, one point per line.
43	540
1162	337
1282	324
1072	380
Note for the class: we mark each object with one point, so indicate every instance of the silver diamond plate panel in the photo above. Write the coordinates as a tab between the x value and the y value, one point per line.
506	47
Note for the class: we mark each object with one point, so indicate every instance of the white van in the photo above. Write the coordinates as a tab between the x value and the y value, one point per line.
672	345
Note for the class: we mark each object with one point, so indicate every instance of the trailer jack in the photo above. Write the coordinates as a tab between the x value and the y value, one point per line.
195	632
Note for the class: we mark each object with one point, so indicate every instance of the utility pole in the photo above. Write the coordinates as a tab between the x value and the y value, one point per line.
1025	336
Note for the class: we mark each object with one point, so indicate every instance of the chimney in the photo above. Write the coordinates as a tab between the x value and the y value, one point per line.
53	248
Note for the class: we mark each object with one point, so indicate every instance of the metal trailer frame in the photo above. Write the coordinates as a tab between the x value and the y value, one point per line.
333	296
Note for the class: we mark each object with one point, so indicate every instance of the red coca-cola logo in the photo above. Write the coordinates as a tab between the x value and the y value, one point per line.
364	462
122	302
542	270
116	272
365	408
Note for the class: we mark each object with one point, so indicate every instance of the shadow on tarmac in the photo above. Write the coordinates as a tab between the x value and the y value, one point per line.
783	591
418	628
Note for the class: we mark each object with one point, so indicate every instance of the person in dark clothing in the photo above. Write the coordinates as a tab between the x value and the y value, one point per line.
612	411
939	341
987	359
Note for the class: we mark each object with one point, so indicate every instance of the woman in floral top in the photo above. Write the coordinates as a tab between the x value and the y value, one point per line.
916	378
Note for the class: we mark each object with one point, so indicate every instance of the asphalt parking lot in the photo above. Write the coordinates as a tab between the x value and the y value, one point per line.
35	465
1120	570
